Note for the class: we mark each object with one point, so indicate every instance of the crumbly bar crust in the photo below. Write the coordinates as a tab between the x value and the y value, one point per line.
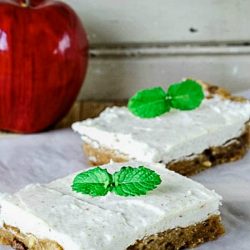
174	239
12	236
181	238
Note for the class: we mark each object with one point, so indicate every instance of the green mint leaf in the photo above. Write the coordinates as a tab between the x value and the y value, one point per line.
149	103
135	181
94	182
186	95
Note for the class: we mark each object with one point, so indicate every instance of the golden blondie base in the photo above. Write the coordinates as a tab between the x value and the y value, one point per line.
11	236
181	238
174	239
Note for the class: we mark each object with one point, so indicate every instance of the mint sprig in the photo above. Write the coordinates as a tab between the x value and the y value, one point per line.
150	103
126	182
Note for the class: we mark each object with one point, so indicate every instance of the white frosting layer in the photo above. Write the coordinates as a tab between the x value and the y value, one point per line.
172	136
81	222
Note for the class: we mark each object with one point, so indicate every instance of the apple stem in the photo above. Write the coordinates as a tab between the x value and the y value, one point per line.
25	3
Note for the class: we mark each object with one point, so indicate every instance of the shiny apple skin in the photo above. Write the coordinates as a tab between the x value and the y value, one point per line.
43	62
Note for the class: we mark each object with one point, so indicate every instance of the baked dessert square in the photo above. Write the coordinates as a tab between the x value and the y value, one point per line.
187	142
178	214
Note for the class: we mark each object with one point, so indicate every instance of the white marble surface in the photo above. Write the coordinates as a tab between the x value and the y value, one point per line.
47	156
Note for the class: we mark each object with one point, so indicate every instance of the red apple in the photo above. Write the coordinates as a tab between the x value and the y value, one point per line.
43	62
